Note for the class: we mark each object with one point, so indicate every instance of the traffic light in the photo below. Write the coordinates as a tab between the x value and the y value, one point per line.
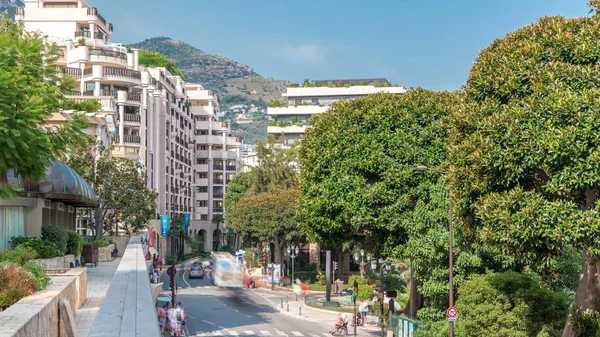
355	290
335	265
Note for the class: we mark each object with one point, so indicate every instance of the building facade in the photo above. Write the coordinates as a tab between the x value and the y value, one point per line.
217	161
298	104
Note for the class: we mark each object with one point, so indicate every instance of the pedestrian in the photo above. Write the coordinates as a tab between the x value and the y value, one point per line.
162	317
155	277
364	310
173	321
181	316
167	308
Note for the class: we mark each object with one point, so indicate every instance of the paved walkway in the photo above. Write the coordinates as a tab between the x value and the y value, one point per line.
98	281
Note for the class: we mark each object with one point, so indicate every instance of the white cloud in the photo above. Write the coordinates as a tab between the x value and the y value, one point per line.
305	53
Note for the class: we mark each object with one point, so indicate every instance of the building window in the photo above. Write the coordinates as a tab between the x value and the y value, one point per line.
201	189
201	175
298	101
200	203
201	161
204	217
315	101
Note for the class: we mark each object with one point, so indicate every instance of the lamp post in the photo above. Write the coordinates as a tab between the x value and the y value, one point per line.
450	250
384	270
293	251
360	259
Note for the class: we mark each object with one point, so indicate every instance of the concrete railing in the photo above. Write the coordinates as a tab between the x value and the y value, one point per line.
40	314
128	308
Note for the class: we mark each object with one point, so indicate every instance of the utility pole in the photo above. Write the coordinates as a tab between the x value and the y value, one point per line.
173	270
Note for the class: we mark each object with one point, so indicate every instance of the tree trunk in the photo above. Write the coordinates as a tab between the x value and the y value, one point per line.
587	295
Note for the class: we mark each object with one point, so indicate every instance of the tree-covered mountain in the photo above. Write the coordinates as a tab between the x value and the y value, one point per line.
243	93
236	83
10	5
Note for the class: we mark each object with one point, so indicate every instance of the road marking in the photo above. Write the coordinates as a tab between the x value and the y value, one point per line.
233	332
186	282
297	333
217	333
313	335
281	333
236	310
265	333
221	327
205	321
249	332
248	316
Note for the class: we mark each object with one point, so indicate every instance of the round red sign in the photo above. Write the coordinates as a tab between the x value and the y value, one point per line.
452	312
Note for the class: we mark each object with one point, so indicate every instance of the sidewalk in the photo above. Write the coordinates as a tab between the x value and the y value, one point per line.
298	309
98	281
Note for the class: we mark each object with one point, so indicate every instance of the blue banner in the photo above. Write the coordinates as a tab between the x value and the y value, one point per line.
164	224
186	221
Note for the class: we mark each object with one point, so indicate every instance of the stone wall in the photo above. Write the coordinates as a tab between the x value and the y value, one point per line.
104	253
38	315
60	262
121	242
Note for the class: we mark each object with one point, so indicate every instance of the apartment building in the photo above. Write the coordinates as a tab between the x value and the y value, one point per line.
292	115
217	161
146	110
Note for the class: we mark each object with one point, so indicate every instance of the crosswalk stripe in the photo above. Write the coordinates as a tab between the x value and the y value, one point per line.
313	335
265	333
217	333
297	333
281	333
233	332
249	332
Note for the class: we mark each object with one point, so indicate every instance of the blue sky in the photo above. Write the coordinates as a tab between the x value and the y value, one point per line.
418	43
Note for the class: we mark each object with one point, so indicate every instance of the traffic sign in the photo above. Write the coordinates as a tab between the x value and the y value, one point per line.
452	313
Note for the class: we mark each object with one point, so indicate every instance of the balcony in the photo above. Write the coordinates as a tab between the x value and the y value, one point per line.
101	55
125	151
217	181
109	93
122	75
287	129
230	168
132	118
218	167
218	195
83	33
217	209
75	72
128	139
134	97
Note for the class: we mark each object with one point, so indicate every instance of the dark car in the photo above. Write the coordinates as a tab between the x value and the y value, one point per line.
347	292
196	271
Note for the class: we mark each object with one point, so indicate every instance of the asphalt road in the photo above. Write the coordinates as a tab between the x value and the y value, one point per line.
213	311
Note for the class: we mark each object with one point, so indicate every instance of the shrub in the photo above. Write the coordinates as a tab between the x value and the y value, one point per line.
19	255
306	271
38	274
15	283
359	279
321	279
57	235
74	243
44	249
365	292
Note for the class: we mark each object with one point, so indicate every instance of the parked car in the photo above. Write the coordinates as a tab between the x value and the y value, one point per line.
347	292
196	271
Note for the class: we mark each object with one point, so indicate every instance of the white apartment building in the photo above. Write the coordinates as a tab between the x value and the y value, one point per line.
217	161
146	109
300	103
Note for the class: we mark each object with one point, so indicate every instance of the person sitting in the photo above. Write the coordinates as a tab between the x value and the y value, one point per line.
340	323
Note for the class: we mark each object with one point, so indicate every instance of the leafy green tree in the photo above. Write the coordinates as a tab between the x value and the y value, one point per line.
276	167
237	188
268	216
30	90
359	186
525	149
120	185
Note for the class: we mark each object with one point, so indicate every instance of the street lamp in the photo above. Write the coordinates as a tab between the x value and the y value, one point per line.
360	259
293	251
450	250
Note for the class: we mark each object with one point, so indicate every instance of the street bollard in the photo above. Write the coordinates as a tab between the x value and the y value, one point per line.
299	311
288	307
282	303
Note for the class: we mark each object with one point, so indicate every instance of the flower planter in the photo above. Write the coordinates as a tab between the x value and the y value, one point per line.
104	253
